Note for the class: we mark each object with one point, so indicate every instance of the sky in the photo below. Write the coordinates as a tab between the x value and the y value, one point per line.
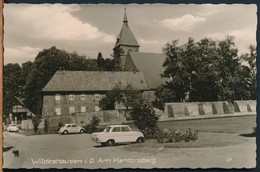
88	29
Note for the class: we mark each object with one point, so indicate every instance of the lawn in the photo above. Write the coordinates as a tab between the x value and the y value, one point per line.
216	132
239	125
205	140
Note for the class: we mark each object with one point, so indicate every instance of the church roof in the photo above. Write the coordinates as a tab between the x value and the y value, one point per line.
93	81
150	64
126	36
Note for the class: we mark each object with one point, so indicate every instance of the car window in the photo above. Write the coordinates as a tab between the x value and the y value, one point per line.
107	129
125	129
68	126
116	129
73	125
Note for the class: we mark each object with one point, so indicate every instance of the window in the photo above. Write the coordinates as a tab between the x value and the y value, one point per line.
83	109
116	129
58	111
82	97
97	97
72	109
97	108
71	97
57	97
125	129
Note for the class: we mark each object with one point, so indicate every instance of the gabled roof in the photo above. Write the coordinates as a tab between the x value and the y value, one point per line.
126	36
150	64
93	81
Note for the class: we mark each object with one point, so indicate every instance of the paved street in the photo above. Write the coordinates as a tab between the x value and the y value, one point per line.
78	151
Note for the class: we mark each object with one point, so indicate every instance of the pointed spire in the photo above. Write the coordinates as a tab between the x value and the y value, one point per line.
125	17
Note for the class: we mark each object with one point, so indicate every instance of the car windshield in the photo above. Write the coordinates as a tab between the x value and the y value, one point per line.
107	129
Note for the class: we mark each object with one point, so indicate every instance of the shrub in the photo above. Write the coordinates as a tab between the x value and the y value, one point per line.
36	120
92	127
144	117
60	124
46	126
167	136
151	133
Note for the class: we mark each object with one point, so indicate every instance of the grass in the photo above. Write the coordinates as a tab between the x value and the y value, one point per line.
239	125
213	133
205	140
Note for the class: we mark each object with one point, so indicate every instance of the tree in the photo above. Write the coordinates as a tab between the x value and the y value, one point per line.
144	116
100	60
163	95
206	70
118	53
46	63
249	71
141	111
12	86
121	95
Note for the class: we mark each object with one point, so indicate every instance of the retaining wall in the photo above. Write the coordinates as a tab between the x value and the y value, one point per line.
173	110
82	119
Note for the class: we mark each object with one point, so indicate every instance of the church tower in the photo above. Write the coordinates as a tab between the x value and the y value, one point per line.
125	42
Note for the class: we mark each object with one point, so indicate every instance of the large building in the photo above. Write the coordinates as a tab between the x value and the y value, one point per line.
73	92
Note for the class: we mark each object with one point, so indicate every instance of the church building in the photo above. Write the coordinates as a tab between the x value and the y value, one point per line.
79	92
150	64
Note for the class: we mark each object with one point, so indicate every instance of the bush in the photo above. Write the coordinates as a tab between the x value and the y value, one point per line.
36	120
167	136
144	117
150	133
92	127
46	126
60	124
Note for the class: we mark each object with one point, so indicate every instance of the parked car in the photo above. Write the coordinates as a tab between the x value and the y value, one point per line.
71	128
114	134
12	127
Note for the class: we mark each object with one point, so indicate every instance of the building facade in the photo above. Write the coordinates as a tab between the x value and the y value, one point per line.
74	92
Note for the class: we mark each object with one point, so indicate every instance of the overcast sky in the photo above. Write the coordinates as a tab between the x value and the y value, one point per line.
89	29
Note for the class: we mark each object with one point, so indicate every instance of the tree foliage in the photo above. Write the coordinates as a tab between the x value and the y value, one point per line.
12	86
125	96
141	111
46	63
207	70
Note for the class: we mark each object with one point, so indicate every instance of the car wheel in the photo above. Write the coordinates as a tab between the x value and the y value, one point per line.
81	131
65	132
140	140
110	143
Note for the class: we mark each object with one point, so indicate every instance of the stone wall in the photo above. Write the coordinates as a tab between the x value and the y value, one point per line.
82	119
207	108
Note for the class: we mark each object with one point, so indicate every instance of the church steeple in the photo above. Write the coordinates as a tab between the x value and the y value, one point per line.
126	37
125	17
125	42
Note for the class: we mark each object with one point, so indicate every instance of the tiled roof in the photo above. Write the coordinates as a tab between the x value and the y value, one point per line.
150	64
93	81
126	36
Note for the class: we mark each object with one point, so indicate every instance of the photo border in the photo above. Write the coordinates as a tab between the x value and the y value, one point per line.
2	2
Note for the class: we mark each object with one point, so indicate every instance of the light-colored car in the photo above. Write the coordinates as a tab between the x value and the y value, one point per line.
12	127
71	128
114	134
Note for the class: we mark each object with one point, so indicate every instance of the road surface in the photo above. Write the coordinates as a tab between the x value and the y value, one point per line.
79	151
